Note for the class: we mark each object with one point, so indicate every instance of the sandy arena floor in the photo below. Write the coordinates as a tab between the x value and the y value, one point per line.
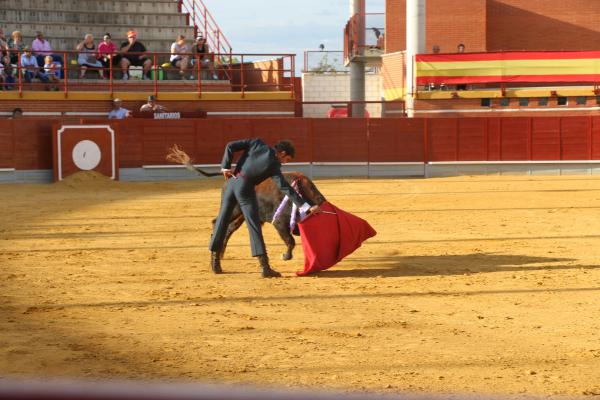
473	284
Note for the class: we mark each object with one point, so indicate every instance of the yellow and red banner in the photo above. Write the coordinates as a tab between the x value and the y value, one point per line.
522	66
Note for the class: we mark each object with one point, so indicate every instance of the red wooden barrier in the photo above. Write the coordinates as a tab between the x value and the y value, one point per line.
396	140
7	145
26	143
576	138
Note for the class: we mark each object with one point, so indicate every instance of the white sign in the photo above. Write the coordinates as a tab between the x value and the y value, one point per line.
86	155
167	115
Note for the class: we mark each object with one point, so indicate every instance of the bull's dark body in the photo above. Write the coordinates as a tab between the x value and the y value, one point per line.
269	197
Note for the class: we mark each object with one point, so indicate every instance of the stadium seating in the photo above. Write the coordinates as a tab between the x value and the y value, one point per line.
65	22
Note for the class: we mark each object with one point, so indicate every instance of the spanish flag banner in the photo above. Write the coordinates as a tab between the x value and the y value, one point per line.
522	66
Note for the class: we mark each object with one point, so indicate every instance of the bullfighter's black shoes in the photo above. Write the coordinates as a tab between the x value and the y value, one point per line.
267	271
215	263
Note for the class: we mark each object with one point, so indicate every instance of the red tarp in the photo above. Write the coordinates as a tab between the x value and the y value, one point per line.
330	236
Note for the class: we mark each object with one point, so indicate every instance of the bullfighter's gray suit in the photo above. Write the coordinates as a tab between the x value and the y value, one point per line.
258	163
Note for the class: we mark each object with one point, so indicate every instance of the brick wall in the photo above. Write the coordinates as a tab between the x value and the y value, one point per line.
495	25
448	23
395	27
543	25
260	75
393	70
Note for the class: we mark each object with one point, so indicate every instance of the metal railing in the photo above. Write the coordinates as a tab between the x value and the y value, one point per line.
364	33
238	72
203	22
321	61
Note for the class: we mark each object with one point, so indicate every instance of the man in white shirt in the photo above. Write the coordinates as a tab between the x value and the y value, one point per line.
117	111
31	68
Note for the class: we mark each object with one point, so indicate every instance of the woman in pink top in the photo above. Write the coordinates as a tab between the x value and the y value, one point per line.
107	52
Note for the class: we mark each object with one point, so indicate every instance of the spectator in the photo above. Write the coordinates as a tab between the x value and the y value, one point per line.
31	67
52	71
16	45
180	55
203	55
117	111
152	106
130	51
107	51
9	78
42	48
88	57
2	75
16	113
435	49
379	39
5	59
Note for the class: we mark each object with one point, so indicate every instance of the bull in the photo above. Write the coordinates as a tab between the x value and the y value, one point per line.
269	198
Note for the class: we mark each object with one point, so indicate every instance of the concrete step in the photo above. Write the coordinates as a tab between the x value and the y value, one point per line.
66	30
125	6
92	17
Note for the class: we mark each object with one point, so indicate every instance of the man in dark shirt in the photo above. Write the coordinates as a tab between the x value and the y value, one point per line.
257	163
131	55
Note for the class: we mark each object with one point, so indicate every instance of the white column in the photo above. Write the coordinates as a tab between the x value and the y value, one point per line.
415	44
357	69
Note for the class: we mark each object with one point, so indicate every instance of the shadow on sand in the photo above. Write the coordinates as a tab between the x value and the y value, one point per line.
462	264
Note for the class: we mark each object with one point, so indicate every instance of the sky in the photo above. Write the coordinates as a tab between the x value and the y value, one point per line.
284	26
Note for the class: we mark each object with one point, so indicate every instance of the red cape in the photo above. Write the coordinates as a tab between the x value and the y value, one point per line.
330	236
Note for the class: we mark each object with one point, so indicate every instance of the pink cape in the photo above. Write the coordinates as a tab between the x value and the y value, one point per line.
330	236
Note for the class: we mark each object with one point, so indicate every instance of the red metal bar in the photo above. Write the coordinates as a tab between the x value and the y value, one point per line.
111	87
199	77
206	22
202	19
155	74
19	74
194	18
210	18
356	30
242	75
221	67
230	65
65	70
293	75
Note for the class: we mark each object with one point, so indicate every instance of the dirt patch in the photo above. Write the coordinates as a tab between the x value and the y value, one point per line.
87	179
473	285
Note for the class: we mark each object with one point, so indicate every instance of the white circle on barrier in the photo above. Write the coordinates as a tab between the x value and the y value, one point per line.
86	155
